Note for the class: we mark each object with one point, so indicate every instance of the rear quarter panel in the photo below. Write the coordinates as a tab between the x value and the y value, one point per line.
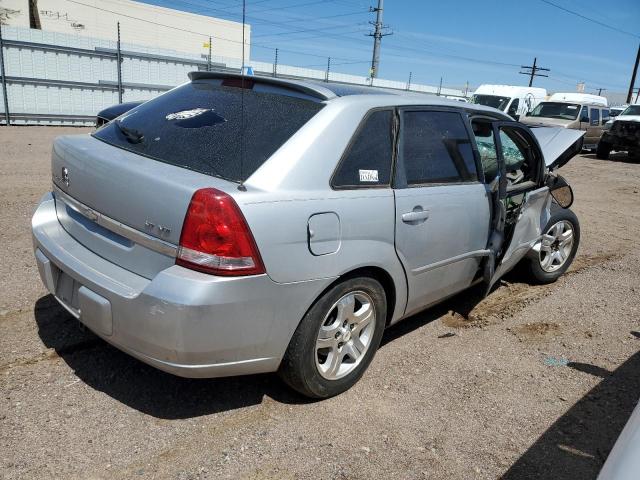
366	235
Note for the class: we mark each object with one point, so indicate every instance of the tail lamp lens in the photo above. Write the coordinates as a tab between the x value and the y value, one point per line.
216	238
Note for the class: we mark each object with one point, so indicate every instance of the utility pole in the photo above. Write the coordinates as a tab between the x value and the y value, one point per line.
326	76
275	65
209	57
633	77
409	82
4	82
377	35
600	90
533	71
440	87
119	61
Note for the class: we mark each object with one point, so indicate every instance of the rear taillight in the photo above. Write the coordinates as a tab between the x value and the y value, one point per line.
216	238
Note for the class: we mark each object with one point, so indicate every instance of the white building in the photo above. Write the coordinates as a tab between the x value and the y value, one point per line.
140	24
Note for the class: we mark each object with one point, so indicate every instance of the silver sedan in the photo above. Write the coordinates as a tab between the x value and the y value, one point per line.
238	225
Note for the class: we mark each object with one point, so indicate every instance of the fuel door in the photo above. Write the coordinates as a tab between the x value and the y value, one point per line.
323	233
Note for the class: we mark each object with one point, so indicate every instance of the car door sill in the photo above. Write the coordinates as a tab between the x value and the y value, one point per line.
449	261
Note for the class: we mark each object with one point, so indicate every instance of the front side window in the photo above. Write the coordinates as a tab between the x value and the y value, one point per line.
486	143
519	156
584	115
367	161
595	117
513	108
435	148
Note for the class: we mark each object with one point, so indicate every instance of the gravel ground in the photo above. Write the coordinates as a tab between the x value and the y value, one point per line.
529	383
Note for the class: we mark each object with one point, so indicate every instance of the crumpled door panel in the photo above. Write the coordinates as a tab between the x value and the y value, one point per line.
533	217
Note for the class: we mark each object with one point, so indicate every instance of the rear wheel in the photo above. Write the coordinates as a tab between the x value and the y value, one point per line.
337	339
603	150
553	254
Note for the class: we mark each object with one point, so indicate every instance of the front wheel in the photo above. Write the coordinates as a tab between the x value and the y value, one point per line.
337	339
553	254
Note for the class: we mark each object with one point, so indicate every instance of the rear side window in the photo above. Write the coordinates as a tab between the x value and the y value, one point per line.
367	161
199	126
435	148
595	117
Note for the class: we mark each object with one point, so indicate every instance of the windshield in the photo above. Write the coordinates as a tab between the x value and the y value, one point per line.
491	101
632	110
198	126
564	111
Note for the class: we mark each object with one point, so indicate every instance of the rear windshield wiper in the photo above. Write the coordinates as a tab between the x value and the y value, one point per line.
131	134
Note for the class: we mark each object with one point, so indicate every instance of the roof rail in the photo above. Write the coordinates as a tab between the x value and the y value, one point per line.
310	89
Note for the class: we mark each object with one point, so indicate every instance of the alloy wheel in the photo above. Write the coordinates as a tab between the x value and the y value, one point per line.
345	335
555	246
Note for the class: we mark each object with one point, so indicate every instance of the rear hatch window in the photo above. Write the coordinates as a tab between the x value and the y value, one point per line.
199	126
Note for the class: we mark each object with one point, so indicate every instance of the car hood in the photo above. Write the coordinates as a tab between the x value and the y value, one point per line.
558	145
627	118
544	121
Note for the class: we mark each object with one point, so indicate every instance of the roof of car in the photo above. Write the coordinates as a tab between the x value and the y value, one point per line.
319	90
363	95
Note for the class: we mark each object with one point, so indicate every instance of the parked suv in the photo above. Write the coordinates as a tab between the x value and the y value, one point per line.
243	225
622	134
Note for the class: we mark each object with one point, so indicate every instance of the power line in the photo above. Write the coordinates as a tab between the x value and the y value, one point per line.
293	6
226	39
324	35
305	30
575	78
593	20
258	20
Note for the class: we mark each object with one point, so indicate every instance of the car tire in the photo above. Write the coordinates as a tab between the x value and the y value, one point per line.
550	258
327	356
603	150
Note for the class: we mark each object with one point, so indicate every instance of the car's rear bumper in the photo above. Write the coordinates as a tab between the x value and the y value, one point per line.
184	322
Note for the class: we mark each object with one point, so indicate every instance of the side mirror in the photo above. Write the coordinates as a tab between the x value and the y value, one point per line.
560	190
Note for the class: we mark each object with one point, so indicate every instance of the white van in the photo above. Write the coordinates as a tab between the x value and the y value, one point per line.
513	100
573	97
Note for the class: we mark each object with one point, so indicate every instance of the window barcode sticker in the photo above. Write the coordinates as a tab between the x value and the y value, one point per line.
368	175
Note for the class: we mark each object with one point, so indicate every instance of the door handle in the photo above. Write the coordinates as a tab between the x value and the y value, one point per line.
415	216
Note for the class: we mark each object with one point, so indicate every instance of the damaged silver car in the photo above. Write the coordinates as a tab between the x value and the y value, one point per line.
243	225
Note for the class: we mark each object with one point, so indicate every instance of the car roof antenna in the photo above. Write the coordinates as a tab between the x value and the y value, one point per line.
241	187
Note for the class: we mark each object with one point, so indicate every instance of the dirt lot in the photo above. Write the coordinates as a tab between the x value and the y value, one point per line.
529	383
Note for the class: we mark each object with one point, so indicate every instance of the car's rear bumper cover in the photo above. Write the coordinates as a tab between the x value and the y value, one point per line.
184	322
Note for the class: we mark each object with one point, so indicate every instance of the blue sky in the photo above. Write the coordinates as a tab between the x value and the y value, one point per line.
459	40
